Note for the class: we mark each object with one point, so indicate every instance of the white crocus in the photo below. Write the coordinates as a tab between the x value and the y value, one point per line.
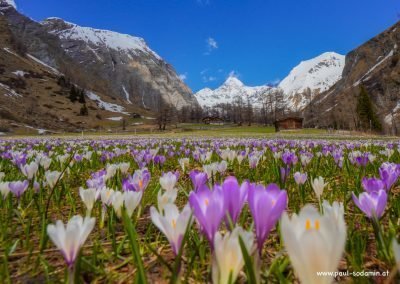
166	198
2	176
184	163
52	177
4	189
168	181
30	170
106	195
396	252
318	185
70	238
132	200
111	171
117	201
228	259
314	242
124	167
173	224
88	197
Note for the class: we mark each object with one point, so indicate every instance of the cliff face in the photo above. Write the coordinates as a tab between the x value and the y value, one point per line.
375	65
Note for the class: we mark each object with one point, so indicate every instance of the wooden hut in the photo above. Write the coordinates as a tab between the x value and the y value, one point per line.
289	123
213	120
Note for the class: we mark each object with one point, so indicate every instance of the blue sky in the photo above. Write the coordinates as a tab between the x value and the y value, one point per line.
205	40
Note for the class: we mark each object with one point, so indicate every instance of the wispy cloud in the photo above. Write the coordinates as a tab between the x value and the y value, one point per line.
183	77
234	73
207	79
211	45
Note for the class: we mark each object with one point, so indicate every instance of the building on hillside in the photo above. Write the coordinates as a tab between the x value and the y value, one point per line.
289	123
214	120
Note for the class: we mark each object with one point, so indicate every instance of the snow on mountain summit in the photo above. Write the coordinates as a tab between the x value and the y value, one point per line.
230	92
98	37
317	74
9	2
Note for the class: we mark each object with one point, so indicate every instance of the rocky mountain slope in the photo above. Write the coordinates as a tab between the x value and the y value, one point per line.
316	75
121	66
35	97
375	65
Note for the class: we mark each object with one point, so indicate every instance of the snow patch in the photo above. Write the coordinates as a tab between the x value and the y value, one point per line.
105	105
389	118
20	73
10	92
126	95
115	118
390	54
55	71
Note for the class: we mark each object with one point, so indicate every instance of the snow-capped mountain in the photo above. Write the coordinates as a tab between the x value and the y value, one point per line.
317	74
230	92
9	2
97	37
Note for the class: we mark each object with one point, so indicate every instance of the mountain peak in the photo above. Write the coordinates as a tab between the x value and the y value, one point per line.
9	3
233	81
317	74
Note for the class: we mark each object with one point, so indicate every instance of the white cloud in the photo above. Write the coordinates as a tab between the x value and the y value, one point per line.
212	43
183	77
207	79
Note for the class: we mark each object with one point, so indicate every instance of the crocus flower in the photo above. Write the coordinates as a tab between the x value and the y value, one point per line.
165	198
132	200
4	189
184	163
88	197
18	187
208	208
29	170
266	206
138	182
371	203
389	173
300	178
168	181
396	253
172	223
2	175
199	179
318	185
314	242
52	177
70	238
117	201
372	184
228	259
235	196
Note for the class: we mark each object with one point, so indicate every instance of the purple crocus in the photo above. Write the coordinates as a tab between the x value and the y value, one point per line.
371	203
235	196
199	179
266	205
372	184
300	178
389	173
208	208
18	187
289	158
138	181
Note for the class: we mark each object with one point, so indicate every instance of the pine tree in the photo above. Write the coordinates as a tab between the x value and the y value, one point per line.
365	112
82	99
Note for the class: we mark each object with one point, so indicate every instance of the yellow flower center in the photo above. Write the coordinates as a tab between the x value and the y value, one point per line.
173	222
206	201
309	226
140	184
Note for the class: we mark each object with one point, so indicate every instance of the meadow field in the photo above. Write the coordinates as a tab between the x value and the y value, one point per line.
205	205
